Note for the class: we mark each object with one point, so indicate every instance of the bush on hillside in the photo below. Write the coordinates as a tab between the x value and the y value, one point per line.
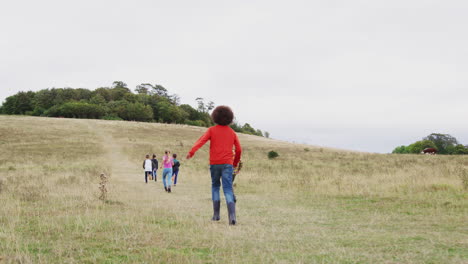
273	154
419	146
136	112
459	150
18	104
401	150
444	143
76	110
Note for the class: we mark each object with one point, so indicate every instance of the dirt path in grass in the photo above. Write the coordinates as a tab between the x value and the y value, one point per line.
127	185
127	178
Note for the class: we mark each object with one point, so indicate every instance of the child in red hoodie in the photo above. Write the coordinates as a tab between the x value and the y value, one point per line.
222	138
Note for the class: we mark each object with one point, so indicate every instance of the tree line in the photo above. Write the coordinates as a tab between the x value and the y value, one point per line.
443	143
149	103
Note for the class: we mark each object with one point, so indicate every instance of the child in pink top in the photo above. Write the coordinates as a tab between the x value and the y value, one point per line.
167	163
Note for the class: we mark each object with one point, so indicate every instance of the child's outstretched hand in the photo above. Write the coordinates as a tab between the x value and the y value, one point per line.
188	156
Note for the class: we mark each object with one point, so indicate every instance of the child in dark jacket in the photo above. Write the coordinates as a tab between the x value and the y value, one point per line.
155	167
222	138
175	168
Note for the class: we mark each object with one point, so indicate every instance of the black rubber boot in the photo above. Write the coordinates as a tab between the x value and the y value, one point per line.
165	188
232	213
216	207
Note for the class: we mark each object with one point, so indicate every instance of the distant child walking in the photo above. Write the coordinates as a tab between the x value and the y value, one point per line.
175	168
148	167
155	167
222	138
167	171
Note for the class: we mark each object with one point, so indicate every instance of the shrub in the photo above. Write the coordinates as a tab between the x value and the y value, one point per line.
170	113
459	150
38	111
418	146
19	103
401	150
273	154
136	112
76	110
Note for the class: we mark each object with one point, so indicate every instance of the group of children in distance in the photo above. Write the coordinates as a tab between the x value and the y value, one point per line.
170	166
222	162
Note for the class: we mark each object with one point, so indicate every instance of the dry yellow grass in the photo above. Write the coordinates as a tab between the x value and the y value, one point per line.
311	205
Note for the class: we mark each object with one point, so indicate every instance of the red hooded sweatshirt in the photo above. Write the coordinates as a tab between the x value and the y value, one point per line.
222	139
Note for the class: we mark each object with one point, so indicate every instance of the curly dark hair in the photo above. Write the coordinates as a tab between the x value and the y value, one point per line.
222	115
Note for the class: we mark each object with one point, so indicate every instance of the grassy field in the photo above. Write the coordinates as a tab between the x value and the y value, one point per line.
310	205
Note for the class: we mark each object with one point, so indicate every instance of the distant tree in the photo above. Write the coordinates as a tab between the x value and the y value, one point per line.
443	142
419	146
60	97
130	97
193	114
104	92
38	111
98	100
118	93
44	99
175	99
236	127
248	129
169	113
117	108
259	133
267	134
459	149
401	150
77	110
119	84
144	88
81	94
160	91
201	105
136	112
19	104
143	98
209	106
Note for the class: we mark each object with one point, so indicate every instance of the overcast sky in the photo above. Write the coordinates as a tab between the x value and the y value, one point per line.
361	75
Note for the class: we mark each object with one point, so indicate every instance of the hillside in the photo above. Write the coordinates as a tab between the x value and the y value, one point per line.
310	205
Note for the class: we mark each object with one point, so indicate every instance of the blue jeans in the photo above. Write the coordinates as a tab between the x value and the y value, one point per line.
175	173
155	174
166	177
221	172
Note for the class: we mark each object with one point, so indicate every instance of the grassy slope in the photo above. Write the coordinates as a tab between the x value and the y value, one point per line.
308	206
